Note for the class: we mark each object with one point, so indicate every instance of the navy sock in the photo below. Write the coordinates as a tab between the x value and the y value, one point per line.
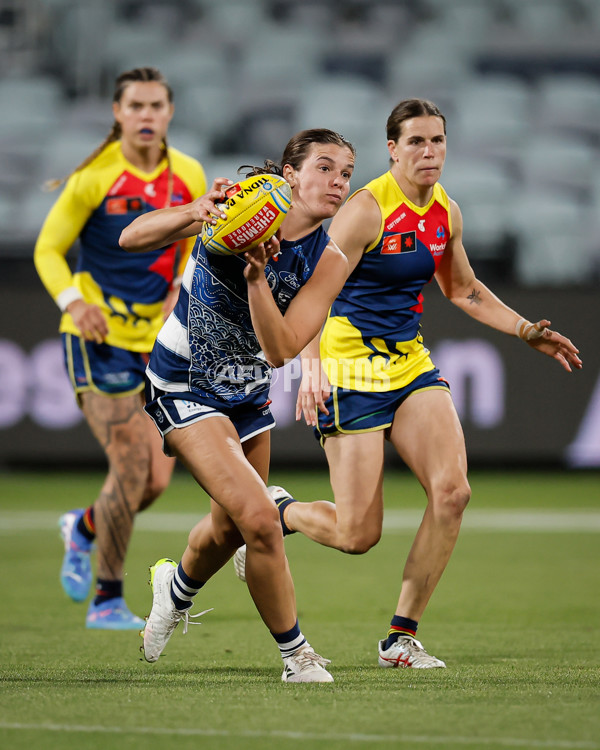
106	590
85	525
281	506
184	588
290	641
400	626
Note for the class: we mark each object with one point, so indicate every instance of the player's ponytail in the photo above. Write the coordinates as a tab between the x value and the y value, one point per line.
268	167
114	135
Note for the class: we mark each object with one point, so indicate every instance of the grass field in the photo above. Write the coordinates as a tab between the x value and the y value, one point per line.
516	617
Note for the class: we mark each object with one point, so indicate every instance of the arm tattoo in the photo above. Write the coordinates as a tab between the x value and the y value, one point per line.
474	297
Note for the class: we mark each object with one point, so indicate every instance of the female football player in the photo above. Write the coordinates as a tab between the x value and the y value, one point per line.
380	383
237	317
113	306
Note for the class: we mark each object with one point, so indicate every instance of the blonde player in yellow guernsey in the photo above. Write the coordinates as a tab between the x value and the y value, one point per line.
113	306
398	232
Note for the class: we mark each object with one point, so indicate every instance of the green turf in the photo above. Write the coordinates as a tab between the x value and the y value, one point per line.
516	617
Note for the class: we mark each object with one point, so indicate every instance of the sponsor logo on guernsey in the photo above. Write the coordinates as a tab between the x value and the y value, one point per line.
150	190
400	243
253	228
115	206
118	185
121	206
422	225
394	220
290	279
437	249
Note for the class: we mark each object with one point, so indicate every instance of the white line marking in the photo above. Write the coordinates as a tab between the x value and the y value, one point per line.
526	520
280	734
506	520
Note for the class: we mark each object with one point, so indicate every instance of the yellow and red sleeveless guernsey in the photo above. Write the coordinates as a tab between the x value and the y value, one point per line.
97	203
371	339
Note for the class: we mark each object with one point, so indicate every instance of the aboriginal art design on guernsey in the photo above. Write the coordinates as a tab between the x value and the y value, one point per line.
225	354
303	264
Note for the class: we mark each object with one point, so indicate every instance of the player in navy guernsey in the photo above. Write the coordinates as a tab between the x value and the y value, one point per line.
113	306
223	362
238	317
379	382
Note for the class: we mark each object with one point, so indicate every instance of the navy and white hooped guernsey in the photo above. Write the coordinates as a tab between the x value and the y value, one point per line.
208	345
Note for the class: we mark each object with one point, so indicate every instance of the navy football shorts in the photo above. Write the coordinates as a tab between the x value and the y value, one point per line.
171	411
103	368
352	411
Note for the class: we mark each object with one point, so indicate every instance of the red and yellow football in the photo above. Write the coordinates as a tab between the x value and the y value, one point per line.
254	208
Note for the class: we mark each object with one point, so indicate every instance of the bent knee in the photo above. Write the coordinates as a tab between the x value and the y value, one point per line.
262	530
359	541
452	502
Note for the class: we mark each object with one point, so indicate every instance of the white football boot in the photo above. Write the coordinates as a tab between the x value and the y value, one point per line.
164	616
407	652
305	666
239	562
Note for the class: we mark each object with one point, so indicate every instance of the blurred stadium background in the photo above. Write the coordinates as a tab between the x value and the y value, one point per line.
519	82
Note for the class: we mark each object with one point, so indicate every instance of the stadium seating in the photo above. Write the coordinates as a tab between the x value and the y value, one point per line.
554	235
482	189
518	80
569	103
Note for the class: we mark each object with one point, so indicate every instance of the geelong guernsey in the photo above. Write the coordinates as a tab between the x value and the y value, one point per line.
208	345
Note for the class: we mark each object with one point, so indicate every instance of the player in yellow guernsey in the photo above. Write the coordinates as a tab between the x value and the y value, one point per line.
113	306
371	340
97	203
398	232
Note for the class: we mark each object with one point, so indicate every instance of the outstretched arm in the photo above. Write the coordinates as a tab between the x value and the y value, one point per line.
460	285
167	225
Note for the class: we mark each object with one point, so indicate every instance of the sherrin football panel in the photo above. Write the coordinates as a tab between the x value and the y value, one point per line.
255	209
